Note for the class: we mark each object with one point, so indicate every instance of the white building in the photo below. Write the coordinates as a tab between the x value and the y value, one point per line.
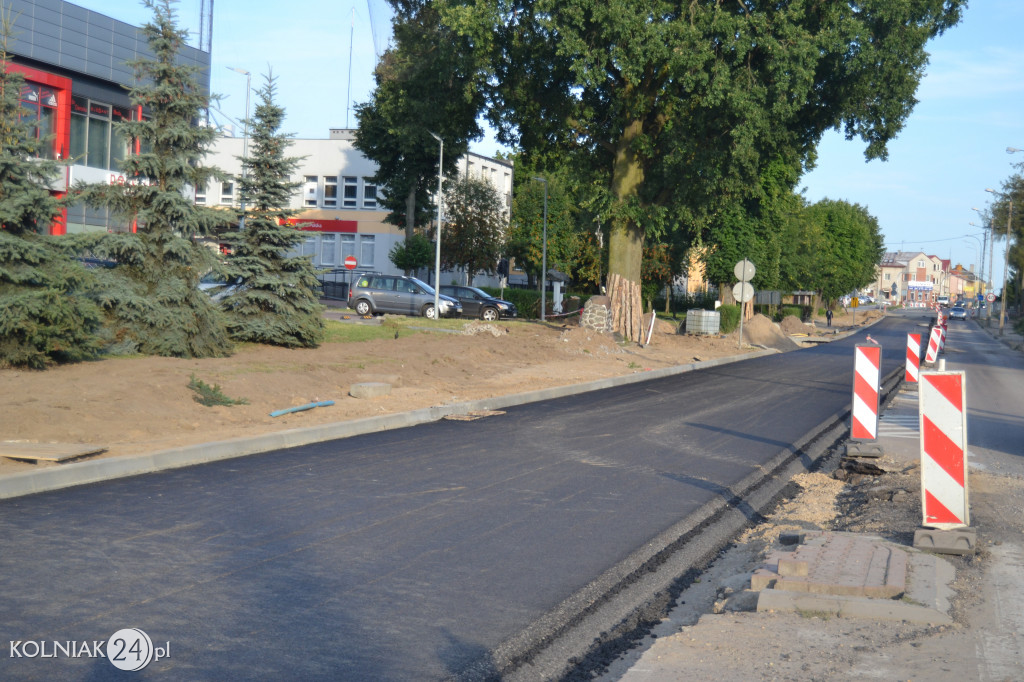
339	200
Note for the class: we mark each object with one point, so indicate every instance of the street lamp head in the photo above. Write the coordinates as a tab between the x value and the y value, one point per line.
1011	150
241	71
436	137
544	180
988	189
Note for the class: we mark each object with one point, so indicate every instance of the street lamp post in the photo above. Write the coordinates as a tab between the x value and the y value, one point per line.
990	241
245	138
1006	261
544	254
437	242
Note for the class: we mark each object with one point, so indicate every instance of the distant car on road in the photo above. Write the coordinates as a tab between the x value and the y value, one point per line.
478	303
943	301
373	294
958	313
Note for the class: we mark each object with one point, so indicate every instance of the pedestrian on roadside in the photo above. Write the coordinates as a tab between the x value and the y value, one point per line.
828	316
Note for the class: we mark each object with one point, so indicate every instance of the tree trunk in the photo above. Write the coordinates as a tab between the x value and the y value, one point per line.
625	241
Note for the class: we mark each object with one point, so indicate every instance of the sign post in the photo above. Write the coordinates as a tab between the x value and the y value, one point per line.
743	291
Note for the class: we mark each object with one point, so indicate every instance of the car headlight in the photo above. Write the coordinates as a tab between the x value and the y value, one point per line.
502	306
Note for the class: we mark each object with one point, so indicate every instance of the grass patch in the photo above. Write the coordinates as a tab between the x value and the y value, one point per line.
211	395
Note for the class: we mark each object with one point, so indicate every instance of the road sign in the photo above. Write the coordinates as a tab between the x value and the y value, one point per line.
744	271
854	302
351	262
743	291
991	298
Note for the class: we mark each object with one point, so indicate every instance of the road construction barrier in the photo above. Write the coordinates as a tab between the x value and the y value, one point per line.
913	358
932	354
866	373
942	338
943	416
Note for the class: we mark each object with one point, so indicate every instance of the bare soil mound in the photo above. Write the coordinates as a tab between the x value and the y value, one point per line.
791	324
761	331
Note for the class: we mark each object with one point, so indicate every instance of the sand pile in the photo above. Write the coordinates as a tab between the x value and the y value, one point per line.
761	331
791	324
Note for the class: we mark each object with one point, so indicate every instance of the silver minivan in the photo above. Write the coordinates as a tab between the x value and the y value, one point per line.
371	294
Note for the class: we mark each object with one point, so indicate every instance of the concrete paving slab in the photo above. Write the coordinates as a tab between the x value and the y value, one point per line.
369	389
960	541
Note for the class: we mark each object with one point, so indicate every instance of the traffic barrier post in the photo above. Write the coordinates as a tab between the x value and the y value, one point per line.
943	419
866	375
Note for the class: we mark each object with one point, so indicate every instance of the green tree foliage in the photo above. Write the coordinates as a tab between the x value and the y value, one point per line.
275	298
678	108
474	225
412	254
567	247
46	315
427	82
153	302
847	247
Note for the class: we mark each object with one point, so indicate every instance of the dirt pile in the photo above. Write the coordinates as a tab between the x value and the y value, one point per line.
791	324
761	331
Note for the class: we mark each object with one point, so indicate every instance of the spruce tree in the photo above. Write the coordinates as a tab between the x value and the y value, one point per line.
153	301
45	313
274	300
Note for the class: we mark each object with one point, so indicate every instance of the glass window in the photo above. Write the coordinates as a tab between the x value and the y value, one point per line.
331	191
328	249
308	247
79	126
348	245
98	155
366	247
227	193
369	194
200	195
350	197
309	190
118	139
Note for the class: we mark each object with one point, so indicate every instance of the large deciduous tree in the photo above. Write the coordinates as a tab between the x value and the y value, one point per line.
427	83
155	306
273	297
46	315
679	107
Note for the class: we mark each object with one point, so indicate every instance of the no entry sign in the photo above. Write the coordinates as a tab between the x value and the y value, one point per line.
351	262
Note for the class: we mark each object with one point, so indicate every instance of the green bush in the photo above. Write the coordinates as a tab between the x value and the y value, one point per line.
794	310
729	318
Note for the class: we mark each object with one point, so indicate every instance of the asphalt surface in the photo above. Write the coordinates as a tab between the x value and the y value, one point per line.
409	554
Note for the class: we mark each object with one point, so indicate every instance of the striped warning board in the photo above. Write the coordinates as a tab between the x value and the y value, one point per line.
932	354
866	373
943	418
913	358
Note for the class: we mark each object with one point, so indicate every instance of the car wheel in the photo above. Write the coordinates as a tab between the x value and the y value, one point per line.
489	314
363	307
428	311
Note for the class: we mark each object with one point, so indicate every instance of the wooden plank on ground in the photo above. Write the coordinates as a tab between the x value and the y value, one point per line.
48	452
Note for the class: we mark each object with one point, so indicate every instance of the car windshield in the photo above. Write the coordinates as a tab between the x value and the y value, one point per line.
423	285
479	292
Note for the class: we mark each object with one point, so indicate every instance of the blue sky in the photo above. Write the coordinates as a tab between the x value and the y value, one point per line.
971	108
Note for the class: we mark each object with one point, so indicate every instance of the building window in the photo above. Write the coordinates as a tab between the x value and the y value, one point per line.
308	247
350	198
201	195
920	263
366	244
331	191
227	193
328	249
887	276
96	137
369	194
39	108
309	191
348	246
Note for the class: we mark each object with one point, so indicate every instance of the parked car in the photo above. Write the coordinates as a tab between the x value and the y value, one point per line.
373	294
478	303
958	313
217	287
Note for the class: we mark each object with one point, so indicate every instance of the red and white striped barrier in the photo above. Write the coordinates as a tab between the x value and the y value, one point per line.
942	338
943	417
913	358
866	374
931	356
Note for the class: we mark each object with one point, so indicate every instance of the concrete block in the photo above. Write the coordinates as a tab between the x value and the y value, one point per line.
955	541
394	379
763	579
856	448
793	568
370	389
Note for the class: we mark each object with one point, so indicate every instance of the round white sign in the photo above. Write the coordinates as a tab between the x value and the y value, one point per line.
743	291
744	270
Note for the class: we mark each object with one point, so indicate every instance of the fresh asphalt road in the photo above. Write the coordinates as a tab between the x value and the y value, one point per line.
408	554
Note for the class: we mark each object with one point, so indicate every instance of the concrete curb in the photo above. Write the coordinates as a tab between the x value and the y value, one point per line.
81	473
